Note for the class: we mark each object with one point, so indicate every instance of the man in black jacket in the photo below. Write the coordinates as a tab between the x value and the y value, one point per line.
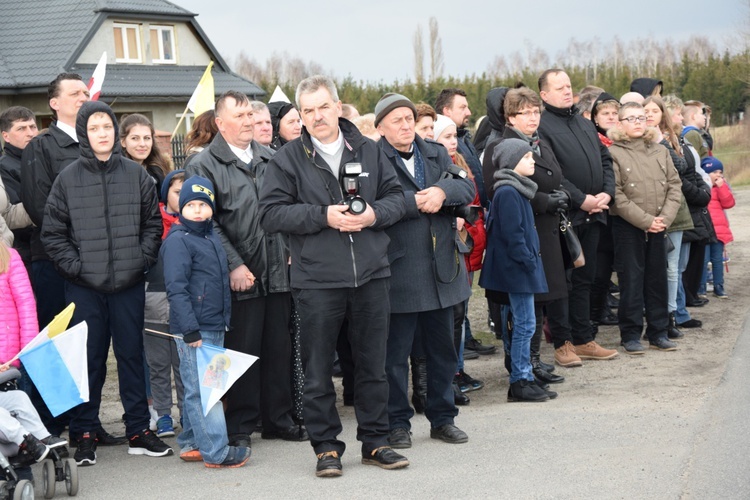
339	266
258	265
102	230
18	128
589	179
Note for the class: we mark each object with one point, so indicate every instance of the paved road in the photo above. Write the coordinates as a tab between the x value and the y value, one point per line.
573	447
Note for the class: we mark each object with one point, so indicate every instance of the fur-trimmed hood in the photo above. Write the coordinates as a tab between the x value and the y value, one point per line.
618	135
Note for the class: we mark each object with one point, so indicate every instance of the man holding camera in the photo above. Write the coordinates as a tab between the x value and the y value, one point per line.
428	273
339	266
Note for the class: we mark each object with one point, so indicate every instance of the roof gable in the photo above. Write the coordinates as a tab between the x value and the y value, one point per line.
61	29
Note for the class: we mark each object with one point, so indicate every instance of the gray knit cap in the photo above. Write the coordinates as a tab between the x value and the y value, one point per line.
509	152
391	101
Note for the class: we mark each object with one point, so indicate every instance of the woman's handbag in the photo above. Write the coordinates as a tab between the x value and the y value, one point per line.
570	245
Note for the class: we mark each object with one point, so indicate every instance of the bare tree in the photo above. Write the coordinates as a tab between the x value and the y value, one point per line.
418	55
436	51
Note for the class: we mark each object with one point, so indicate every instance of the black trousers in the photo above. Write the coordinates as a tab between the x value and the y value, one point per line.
579	284
322	312
691	278
641	263
260	327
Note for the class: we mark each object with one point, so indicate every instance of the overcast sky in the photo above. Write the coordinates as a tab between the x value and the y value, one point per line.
372	40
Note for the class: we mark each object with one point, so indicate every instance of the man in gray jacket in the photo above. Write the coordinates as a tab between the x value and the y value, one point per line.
428	272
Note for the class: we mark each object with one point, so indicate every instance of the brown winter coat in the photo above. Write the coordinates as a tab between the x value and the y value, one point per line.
647	184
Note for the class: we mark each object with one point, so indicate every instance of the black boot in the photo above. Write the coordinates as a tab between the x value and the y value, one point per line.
534	349
672	331
459	398
419	383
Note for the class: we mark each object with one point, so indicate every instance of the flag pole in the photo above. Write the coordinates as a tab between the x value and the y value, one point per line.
179	123
206	73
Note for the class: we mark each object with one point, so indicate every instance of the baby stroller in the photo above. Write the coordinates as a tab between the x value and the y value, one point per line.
55	468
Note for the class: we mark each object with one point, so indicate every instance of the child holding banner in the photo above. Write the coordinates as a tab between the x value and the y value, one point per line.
197	281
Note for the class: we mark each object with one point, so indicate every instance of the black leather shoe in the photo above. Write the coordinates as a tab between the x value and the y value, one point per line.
469	354
400	438
546	377
104	438
449	433
691	323
697	303
607	318
459	398
476	345
292	433
329	464
385	458
240	441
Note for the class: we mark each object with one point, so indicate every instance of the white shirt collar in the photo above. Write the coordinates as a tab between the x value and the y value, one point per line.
329	149
245	155
71	131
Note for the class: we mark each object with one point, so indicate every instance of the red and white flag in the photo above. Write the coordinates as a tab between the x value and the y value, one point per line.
97	79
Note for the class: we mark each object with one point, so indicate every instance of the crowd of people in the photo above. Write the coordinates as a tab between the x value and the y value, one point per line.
325	242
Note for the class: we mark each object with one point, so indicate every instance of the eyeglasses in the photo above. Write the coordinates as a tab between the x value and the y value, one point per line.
633	119
530	112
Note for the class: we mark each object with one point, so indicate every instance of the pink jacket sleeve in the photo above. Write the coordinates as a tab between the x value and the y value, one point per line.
24	297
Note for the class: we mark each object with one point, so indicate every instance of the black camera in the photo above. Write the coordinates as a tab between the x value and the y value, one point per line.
350	186
470	213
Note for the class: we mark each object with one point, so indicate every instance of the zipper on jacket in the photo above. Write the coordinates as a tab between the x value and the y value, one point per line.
111	260
341	191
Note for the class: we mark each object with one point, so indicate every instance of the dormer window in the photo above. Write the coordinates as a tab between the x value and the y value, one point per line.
162	44
127	43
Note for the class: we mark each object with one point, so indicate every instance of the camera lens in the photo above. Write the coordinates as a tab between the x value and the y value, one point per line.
357	205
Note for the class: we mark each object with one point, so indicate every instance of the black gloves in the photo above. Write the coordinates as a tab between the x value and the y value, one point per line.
557	200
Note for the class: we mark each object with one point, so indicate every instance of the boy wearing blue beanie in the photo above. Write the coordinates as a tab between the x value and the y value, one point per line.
196	275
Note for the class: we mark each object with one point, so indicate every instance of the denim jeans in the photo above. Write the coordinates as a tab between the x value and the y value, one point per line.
205	433
681	313
673	270
715	255
524	324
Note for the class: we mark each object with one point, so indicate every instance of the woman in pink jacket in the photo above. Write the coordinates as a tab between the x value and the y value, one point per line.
18	323
721	199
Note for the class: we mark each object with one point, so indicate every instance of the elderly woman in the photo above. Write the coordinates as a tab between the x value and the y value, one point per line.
522	110
286	123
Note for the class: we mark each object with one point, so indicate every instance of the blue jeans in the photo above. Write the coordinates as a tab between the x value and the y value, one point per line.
207	434
714	254
673	270
681	313
524	324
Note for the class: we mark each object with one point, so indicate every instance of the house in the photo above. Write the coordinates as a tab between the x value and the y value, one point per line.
156	54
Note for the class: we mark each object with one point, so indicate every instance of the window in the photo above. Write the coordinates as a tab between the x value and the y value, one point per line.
127	43
162	44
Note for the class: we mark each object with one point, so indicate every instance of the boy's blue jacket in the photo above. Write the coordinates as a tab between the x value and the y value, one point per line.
512	261
196	275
